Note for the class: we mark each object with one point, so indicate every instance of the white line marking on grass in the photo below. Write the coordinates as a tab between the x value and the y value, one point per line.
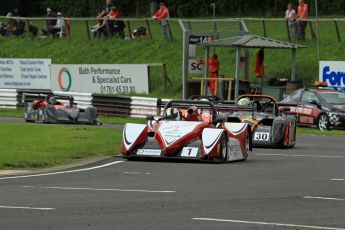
338	179
62	172
296	155
322	198
103	189
268	223
30	208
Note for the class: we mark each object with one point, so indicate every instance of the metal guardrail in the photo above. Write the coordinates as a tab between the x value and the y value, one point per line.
8	98
142	107
83	100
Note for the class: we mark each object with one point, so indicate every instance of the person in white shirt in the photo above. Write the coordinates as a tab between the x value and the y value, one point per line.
60	26
290	16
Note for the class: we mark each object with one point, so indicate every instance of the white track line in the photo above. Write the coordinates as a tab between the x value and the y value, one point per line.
322	198
62	172
338	179
102	189
268	223
296	155
136	173
30	208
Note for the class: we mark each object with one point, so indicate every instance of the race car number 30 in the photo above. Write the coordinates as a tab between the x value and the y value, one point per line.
260	136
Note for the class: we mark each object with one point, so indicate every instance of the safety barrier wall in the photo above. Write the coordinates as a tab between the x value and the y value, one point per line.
8	98
110	105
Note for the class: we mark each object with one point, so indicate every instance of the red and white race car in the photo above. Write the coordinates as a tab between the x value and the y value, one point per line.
189	129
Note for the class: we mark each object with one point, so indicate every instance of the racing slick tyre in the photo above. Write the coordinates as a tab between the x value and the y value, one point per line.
26	118
223	149
294	138
323	122
248	146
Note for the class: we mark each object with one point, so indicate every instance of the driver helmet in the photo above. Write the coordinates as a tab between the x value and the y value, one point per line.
244	101
52	101
36	102
192	114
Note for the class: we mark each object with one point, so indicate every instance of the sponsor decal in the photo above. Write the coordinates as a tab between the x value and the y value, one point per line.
234	150
171	131
149	152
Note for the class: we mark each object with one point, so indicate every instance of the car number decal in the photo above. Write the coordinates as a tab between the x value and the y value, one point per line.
260	136
189	152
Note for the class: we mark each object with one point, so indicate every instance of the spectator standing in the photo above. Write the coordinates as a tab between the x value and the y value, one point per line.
162	15
302	17
290	16
213	71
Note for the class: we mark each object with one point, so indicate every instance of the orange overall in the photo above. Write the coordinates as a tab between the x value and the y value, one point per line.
213	68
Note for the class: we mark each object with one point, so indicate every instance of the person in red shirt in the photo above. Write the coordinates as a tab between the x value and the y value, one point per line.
302	18
114	13
162	15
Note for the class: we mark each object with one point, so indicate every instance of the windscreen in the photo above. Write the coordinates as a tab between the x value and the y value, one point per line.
334	97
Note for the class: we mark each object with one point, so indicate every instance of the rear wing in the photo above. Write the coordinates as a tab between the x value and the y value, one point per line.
30	97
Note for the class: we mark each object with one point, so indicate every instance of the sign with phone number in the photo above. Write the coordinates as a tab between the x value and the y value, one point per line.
103	79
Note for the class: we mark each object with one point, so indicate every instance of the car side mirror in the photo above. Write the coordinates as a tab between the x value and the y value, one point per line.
150	118
314	102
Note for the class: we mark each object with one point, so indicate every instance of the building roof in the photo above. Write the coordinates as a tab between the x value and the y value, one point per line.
251	41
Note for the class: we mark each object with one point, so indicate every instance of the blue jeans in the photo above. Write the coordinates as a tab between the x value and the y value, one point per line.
165	31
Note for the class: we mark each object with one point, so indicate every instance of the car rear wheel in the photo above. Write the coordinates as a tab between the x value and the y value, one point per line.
223	151
248	148
323	122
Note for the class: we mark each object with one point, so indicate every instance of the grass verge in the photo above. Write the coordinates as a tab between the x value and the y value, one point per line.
314	131
40	146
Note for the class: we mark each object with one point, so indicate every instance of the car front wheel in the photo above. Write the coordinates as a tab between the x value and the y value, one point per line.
323	122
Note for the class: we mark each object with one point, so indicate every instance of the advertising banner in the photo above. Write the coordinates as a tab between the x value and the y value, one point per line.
333	72
104	79
25	73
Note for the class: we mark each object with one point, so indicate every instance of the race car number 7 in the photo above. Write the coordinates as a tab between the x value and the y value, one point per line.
260	136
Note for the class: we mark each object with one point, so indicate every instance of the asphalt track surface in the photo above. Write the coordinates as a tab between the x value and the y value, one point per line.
299	188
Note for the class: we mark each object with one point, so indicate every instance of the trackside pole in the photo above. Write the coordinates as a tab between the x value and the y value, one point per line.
207	54
237	83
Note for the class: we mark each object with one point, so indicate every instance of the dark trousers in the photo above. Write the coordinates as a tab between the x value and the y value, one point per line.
302	25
